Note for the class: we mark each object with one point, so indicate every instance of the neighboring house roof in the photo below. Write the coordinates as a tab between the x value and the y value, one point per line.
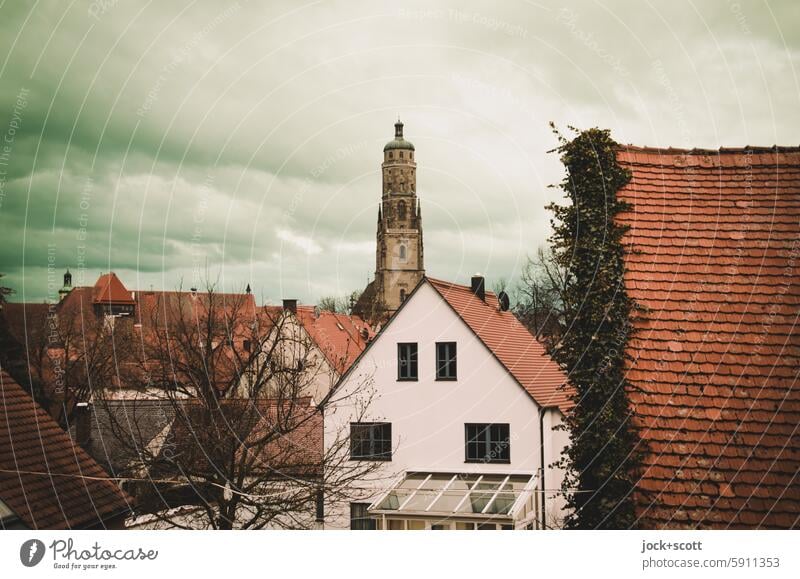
25	321
47	480
512	344
286	437
340	337
109	289
713	256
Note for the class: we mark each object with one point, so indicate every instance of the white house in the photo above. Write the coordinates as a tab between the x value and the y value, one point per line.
456	403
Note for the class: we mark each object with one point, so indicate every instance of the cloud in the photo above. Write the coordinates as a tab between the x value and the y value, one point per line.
243	141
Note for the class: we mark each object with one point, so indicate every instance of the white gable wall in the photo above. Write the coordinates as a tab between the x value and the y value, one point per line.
427	415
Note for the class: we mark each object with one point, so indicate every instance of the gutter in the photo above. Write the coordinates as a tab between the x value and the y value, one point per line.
542	410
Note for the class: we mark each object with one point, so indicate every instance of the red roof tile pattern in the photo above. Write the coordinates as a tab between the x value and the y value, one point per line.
713	254
513	345
340	337
108	289
47	480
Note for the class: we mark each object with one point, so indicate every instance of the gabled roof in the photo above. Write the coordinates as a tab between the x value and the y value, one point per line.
514	346
712	254
47	480
108	289
340	337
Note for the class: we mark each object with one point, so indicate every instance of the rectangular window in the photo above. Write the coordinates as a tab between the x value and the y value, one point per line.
445	360
371	440
487	443
407	361
359	519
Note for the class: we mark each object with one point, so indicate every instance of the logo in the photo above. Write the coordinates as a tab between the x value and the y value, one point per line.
31	552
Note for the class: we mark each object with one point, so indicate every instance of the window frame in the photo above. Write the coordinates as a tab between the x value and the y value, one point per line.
504	457
385	454
441	366
413	362
369	523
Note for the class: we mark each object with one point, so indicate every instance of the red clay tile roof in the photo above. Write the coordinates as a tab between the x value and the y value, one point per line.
42	472
109	289
714	256
339	336
521	353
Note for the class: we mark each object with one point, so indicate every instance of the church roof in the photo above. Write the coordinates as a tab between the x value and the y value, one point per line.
399	142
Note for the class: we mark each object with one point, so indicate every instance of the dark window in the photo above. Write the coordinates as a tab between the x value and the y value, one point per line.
359	519
247	345
445	360
487	443
371	440
401	213
407	361
402	295
319	501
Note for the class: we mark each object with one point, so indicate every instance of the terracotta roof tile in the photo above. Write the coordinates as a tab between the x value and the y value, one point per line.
109	289
521	353
47	480
713	252
340	337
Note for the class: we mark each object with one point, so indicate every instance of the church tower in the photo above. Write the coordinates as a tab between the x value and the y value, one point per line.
399	255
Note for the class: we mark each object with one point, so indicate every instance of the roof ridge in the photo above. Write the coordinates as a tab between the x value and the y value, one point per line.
703	151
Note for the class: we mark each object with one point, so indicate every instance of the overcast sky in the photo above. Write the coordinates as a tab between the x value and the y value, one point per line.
171	141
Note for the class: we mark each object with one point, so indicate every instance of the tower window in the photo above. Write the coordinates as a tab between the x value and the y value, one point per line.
402	295
401	154
391	155
401	210
403	252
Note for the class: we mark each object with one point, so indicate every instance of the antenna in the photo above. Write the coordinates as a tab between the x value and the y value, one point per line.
504	300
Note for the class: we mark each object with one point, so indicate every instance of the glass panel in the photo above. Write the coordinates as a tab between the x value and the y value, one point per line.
465	526
482	494
416	525
392	501
502	504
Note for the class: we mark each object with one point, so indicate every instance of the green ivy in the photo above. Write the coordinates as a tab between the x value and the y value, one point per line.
603	461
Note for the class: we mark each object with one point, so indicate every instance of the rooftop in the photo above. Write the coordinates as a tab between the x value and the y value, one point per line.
712	254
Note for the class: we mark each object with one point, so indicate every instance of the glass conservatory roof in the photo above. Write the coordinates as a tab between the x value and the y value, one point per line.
456	495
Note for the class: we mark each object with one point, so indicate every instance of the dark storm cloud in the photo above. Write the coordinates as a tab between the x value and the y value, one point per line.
242	141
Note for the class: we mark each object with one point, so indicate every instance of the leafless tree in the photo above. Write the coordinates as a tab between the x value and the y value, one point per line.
540	297
339	304
70	353
239	437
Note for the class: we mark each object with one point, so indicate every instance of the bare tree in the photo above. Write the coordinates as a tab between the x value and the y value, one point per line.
339	304
240	438
71	352
540	297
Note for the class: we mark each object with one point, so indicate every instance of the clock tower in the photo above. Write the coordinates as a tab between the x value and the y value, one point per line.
399	254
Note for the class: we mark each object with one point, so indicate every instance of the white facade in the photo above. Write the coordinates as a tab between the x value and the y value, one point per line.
428	416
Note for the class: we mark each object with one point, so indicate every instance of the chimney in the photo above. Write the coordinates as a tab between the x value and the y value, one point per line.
83	424
290	305
478	286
